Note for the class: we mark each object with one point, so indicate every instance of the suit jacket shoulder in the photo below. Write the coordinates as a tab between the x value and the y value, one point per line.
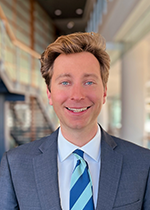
36	147
28	176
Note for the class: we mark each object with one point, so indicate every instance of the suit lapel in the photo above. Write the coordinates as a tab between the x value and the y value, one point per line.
46	174
111	165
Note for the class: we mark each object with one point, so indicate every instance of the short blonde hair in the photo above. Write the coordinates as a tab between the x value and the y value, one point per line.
75	43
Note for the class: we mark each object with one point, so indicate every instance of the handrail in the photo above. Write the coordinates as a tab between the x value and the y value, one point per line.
14	40
32	76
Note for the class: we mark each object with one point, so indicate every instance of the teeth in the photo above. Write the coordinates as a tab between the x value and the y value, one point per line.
77	110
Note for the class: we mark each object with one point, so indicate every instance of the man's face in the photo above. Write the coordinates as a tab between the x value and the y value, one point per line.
77	91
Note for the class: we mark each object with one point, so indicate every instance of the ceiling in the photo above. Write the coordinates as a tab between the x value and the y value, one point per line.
68	15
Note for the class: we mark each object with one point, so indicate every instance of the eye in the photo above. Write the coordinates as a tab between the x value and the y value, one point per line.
65	83
89	83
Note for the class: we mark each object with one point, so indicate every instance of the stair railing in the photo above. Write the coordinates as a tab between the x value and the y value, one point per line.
19	61
22	66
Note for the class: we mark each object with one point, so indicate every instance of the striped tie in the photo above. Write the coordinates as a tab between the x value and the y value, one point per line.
81	195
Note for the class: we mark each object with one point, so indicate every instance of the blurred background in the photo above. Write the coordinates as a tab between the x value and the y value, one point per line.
28	26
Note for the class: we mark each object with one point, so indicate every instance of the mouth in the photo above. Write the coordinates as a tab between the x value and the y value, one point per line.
78	110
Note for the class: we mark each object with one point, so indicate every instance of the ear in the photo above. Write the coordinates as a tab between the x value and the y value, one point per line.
49	96
104	94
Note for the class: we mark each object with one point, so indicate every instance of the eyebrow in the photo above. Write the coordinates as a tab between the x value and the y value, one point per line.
63	75
90	75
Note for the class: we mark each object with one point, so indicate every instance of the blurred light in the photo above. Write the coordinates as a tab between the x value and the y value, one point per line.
58	12
70	24
147	127
79	11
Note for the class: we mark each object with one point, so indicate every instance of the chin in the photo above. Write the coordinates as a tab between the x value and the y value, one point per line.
77	126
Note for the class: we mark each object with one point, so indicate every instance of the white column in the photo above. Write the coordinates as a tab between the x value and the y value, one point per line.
134	64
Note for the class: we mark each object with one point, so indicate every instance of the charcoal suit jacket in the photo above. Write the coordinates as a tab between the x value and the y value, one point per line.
29	176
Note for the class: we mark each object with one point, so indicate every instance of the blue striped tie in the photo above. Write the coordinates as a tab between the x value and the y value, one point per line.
81	193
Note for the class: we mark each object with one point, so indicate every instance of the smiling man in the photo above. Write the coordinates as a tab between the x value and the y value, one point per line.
79	166
77	95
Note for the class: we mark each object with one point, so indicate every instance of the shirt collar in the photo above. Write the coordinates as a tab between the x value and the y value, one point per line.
92	148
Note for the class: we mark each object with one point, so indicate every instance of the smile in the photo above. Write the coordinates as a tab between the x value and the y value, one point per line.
78	110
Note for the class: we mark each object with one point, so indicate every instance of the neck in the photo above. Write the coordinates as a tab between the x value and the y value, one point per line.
79	137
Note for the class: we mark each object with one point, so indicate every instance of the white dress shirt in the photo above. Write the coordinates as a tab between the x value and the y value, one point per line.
67	162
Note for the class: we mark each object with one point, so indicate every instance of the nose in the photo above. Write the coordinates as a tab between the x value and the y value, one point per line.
77	92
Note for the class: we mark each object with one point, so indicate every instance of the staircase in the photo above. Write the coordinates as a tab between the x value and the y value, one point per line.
27	122
32	117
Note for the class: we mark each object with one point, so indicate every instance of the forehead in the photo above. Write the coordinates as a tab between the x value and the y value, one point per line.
83	61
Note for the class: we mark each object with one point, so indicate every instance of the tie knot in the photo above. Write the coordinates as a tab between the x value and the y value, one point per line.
79	152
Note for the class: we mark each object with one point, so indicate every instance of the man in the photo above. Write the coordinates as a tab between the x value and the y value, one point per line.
43	174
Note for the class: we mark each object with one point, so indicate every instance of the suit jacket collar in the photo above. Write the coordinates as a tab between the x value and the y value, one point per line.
46	173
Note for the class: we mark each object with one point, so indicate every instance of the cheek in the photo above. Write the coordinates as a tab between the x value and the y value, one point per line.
58	98
99	101
96	96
